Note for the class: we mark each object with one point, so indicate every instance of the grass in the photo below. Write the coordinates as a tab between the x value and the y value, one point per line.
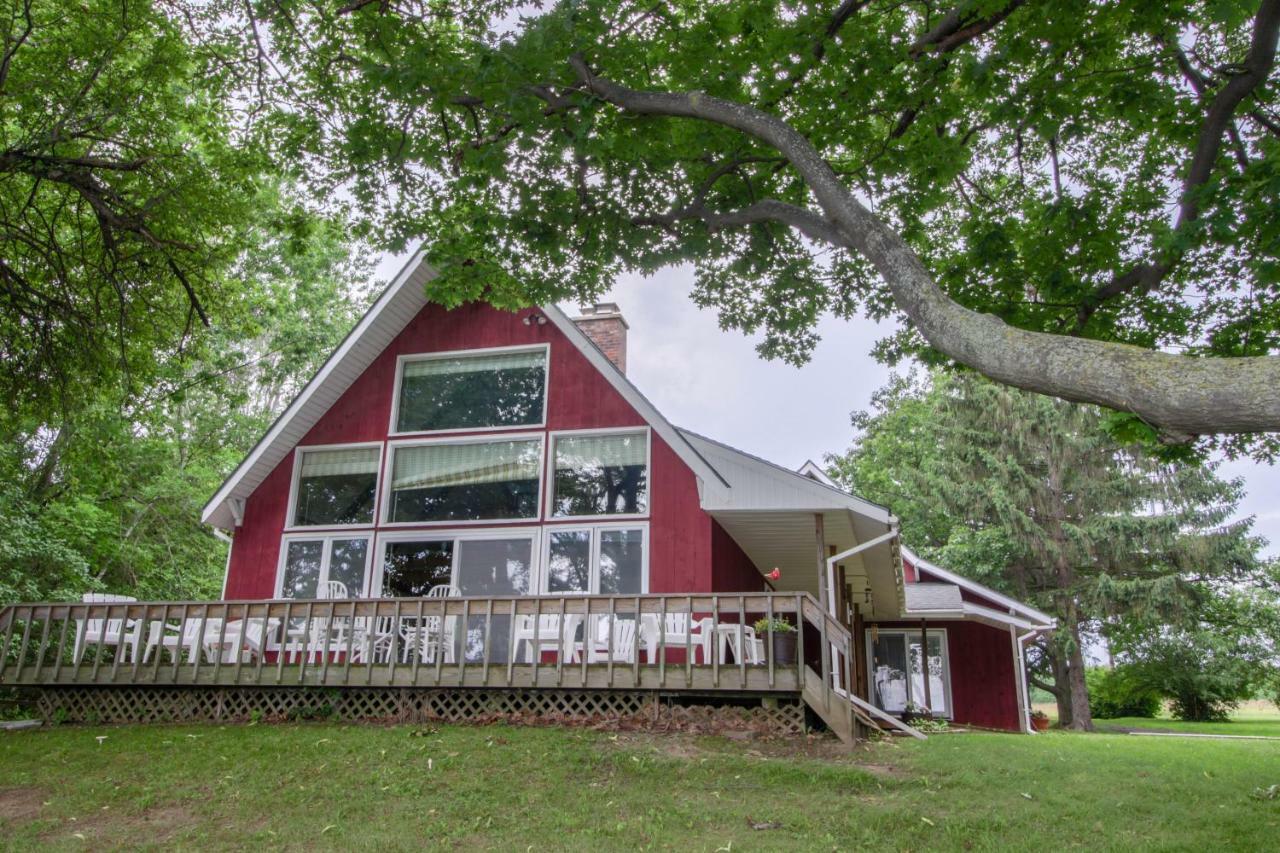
305	786
1256	717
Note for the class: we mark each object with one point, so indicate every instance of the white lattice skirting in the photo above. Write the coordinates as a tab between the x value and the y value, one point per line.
119	704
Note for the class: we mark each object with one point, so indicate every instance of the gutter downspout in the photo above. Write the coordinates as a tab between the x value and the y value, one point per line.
1024	690
830	579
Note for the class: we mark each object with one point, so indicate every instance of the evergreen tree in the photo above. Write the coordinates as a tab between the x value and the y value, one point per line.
1030	495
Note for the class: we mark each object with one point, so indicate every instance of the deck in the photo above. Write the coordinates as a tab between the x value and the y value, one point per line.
621	646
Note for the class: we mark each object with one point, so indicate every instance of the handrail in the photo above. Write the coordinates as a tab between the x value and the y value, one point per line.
468	641
459	641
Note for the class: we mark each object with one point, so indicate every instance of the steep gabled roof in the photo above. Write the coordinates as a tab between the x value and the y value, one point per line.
394	309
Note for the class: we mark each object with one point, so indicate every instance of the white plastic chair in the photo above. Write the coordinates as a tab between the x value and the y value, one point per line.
124	634
549	634
444	590
426	639
328	633
624	640
679	633
332	590
185	636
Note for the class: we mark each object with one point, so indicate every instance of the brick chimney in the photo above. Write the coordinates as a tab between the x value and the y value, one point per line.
603	324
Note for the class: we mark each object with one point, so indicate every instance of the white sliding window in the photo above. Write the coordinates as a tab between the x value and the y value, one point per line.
601	474
596	560
898	671
312	568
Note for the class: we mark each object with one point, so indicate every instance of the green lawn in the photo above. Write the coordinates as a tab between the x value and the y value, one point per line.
336	786
1256	717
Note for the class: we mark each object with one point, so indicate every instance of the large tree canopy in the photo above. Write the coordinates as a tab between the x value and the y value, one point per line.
1075	198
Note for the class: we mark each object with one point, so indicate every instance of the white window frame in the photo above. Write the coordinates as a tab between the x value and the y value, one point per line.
549	509
595	529
910	633
291	524
456	536
544	348
389	458
327	539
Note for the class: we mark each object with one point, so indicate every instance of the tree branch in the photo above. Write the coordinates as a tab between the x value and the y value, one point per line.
1253	72
1181	395
958	27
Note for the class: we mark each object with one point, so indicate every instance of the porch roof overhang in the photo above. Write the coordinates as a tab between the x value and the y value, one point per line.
772	512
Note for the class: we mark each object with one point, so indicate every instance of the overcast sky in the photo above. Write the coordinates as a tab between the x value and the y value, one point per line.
713	382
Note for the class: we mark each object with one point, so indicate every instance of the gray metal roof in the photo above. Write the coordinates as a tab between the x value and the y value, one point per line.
934	598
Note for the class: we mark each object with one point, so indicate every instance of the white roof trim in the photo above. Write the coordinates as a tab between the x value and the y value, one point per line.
674	439
215	511
977	588
814	471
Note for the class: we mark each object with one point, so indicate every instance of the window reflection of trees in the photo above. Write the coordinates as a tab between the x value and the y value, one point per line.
337	499
601	490
481	398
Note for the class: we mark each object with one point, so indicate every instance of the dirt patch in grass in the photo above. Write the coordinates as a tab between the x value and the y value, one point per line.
21	804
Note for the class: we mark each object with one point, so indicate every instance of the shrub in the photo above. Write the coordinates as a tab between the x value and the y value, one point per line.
1117	693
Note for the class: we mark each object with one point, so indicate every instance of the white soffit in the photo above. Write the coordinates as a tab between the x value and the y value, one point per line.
397	305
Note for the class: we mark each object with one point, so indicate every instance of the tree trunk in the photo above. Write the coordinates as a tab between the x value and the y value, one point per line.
1081	717
1062	693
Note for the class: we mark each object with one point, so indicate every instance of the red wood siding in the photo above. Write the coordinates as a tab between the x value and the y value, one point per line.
731	568
983	686
578	397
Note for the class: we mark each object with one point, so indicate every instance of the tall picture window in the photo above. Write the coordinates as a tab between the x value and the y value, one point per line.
465	481
335	486
601	474
492	390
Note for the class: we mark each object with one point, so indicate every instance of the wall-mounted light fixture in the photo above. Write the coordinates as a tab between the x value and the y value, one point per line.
534	317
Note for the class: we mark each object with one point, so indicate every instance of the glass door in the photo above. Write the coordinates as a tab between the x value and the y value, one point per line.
491	567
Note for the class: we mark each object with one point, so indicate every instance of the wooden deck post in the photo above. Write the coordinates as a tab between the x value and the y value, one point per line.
820	533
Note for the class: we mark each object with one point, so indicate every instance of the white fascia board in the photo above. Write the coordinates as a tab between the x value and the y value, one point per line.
624	386
215	510
977	588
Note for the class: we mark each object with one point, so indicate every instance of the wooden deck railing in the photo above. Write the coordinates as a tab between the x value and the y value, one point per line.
526	642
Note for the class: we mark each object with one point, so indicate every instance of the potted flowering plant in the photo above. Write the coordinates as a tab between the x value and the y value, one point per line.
784	638
1039	720
915	713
